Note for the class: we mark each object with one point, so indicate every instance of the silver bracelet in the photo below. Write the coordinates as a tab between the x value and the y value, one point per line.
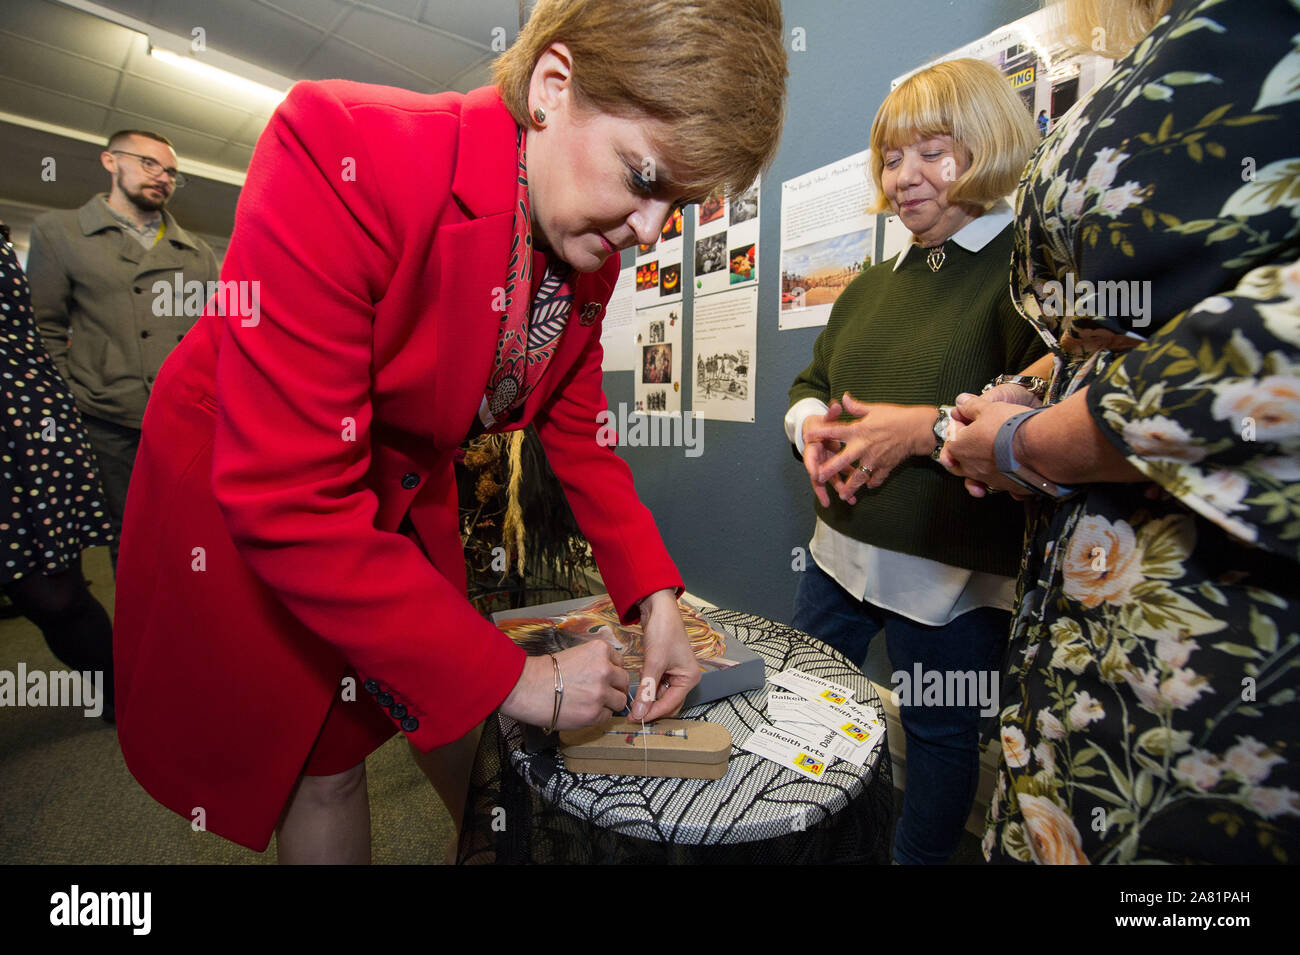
559	694
1034	385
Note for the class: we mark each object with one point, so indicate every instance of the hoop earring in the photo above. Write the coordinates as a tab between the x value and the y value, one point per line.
539	115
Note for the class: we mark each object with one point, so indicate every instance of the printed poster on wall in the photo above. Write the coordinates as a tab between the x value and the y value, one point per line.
1032	54
827	238
618	327
724	339
659	266
658	375
726	241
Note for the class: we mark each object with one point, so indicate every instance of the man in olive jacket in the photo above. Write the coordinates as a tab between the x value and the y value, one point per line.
114	288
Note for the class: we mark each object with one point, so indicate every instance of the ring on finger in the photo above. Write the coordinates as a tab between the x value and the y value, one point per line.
865	469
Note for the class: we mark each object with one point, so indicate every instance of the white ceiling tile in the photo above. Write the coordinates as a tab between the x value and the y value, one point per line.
474	20
67	29
427	53
478	75
406	8
190	143
321	13
233	156
335	60
149	99
246	136
50	107
60	72
140	9
244	29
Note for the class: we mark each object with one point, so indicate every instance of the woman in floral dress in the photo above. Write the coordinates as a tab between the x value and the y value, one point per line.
1150	709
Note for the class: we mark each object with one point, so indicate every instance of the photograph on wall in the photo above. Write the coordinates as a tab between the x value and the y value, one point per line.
815	274
659	266
618	326
657	376
726	241
724	339
827	238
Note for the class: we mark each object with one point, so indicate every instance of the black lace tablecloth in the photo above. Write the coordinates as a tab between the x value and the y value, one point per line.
527	808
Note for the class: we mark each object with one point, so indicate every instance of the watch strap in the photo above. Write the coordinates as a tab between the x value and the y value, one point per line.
1005	457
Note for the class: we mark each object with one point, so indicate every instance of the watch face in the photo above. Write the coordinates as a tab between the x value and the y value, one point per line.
941	424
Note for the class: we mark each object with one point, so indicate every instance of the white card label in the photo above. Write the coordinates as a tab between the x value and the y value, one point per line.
812	687
788	750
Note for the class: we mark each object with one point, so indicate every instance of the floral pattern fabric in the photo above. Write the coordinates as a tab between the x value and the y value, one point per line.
1150	706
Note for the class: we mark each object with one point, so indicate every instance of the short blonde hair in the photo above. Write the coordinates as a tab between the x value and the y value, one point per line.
1122	23
712	70
972	102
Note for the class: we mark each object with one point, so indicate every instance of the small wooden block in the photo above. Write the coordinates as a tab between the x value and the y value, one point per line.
604	749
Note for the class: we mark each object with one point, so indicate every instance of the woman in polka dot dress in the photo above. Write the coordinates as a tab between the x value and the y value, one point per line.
51	503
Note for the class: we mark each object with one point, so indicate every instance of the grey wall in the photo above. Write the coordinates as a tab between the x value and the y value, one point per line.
732	516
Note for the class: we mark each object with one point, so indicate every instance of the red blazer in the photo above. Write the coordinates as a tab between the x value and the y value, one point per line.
260	556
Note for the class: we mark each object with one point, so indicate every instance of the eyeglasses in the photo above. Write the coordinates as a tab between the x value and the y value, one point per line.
153	167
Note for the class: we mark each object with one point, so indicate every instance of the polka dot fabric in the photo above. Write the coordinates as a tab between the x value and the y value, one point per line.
51	503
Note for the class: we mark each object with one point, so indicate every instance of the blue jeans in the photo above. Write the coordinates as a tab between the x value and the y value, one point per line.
942	740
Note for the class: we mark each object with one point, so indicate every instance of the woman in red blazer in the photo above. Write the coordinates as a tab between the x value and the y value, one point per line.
407	270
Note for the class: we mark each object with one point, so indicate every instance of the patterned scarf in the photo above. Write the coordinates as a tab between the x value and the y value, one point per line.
529	333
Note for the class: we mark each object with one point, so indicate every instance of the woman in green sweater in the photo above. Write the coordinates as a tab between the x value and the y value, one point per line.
898	544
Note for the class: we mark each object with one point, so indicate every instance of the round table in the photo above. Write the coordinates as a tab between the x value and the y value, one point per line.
525	807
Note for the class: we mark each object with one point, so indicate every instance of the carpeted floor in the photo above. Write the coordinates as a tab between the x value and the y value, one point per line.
66	795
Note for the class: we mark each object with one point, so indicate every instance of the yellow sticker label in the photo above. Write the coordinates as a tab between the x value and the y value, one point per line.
834	697
856	731
814	766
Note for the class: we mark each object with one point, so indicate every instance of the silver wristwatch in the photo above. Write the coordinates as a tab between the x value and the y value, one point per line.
941	422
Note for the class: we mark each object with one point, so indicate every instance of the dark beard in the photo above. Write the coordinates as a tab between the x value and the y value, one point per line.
144	201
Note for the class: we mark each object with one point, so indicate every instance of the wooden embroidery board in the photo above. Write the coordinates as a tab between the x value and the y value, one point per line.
604	749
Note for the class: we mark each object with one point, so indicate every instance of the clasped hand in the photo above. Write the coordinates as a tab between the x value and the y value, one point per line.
969	453
851	455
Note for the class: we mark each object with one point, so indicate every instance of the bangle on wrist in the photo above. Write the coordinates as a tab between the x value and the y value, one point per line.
1034	385
559	694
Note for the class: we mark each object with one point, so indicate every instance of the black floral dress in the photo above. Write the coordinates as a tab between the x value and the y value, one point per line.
51	504
1150	710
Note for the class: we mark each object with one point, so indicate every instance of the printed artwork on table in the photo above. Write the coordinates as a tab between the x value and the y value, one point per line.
599	620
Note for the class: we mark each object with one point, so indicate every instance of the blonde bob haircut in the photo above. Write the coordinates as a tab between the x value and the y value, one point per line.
712	70
1108	27
973	103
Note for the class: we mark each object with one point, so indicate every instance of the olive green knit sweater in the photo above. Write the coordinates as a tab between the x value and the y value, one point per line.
911	337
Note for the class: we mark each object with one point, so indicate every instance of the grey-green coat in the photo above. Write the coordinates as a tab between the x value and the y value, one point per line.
104	323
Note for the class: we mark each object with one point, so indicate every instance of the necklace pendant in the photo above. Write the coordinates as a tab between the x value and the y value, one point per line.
936	258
